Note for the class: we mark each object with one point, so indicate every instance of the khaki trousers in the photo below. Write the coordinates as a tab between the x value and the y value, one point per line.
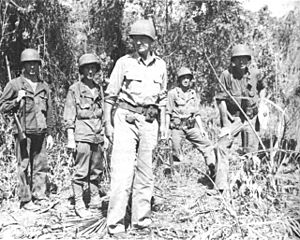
131	165
203	144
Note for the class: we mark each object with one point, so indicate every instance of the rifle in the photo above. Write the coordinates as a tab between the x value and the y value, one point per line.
21	133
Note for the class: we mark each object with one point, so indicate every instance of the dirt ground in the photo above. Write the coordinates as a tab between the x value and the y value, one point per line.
183	208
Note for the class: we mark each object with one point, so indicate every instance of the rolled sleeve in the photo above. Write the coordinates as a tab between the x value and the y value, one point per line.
221	94
170	103
115	83
163	93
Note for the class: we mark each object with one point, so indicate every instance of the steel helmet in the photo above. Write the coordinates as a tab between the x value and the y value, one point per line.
184	71
143	27
88	58
29	55
241	50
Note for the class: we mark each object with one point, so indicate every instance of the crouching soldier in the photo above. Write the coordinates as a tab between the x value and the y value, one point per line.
82	116
28	97
245	85
183	118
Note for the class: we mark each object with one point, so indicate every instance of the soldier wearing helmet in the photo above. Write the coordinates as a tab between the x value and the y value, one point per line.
29	97
83	121
137	88
183	118
246	86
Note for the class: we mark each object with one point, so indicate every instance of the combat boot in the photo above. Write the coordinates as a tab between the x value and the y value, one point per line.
80	208
30	206
95	200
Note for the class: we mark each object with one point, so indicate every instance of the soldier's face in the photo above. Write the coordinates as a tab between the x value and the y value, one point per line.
142	44
31	68
240	62
89	71
185	80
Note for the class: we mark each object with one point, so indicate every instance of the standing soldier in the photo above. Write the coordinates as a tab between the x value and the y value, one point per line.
138	86
183	118
245	85
30	97
82	116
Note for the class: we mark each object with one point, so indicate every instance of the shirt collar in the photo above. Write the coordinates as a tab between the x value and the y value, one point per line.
26	86
85	91
149	62
190	90
25	78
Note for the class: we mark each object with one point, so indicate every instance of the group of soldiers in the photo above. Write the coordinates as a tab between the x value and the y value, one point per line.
137	109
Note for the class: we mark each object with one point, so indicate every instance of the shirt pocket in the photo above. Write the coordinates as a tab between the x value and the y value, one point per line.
97	108
133	85
180	102
157	82
43	99
192	105
84	106
29	103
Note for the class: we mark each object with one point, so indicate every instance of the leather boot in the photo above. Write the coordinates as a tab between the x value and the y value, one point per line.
30	206
80	208
95	202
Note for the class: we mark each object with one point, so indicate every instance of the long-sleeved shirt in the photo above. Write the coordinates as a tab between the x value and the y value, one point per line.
138	83
183	104
35	109
83	113
244	90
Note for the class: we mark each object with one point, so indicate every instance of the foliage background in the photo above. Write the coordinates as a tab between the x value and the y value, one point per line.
186	31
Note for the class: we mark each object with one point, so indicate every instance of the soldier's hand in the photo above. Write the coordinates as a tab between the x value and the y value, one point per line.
109	131
21	94
49	142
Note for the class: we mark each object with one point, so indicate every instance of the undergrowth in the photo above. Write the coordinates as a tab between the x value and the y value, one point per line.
262	201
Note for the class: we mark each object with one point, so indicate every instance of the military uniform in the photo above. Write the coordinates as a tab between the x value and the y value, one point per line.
244	84
183	107
83	113
133	85
36	117
245	91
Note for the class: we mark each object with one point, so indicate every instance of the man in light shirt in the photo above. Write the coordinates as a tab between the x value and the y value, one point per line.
137	88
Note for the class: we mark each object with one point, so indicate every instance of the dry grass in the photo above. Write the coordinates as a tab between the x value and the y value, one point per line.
262	203
259	205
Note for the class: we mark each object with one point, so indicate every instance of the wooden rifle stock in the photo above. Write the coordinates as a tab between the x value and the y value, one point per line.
21	133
